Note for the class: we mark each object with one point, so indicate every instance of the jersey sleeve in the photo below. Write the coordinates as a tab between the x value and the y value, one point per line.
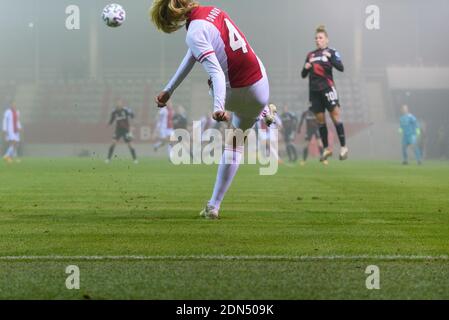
183	70
305	72
198	40
336	60
130	113
213	68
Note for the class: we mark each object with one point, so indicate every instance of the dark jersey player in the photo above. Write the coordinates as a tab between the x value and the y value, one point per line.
312	130
323	95
121	116
180	119
289	123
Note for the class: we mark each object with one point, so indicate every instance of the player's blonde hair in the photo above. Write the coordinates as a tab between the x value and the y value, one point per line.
321	29
170	15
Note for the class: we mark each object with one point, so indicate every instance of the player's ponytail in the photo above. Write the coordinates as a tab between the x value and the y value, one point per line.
170	15
321	29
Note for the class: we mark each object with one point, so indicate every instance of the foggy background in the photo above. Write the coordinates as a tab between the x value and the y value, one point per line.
65	81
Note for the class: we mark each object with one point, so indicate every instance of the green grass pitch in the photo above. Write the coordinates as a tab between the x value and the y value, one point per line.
305	233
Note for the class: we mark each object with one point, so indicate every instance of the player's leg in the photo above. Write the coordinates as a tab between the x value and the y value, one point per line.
111	150
161	140
168	134
404	151
295	152
305	151
290	148
159	143
324	134
319	102
15	153
247	105
10	151
292	153
132	150
128	138
229	164
335	116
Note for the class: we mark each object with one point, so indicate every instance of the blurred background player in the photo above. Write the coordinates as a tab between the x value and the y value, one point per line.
289	124
180	122
238	77
122	117
410	131
323	94
164	128
11	131
312	131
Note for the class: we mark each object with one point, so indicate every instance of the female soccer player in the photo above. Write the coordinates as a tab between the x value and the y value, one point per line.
11	129
323	95
239	81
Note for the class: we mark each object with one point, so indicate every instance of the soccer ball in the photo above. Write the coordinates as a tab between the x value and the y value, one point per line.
114	15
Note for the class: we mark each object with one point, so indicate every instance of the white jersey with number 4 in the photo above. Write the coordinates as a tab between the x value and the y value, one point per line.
217	43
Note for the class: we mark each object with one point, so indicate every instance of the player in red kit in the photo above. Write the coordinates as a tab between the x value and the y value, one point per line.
238	79
323	94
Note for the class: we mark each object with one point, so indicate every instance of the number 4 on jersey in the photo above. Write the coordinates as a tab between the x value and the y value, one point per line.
236	41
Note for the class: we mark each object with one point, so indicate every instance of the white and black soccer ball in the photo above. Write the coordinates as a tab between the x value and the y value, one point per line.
113	15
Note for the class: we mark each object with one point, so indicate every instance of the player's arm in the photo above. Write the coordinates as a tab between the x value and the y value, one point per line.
130	113
201	48
335	59
213	68
295	122
183	70
306	69
19	124
112	119
417	126
5	123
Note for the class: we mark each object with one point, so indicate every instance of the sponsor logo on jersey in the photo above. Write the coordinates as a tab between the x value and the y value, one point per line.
323	58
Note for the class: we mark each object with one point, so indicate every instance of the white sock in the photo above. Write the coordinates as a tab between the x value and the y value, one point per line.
10	152
227	169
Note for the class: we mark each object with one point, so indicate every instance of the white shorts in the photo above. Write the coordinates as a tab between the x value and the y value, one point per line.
248	103
13	136
165	133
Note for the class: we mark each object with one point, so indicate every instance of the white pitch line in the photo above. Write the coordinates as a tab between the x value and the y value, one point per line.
228	258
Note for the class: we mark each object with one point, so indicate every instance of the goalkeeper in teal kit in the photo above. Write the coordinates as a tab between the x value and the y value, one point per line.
410	131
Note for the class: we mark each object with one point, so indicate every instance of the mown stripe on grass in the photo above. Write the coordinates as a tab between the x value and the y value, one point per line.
229	258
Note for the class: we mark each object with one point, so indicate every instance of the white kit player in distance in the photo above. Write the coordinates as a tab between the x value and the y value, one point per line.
164	128
239	81
11	131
